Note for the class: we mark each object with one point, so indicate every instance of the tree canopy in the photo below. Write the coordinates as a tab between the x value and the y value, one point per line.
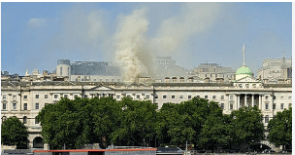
132	122
280	128
13	132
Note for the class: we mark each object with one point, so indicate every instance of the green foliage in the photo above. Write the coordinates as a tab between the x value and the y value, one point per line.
137	122
247	126
280	128
13	132
61	123
131	122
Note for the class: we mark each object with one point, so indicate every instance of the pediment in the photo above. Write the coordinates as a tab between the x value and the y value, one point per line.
104	88
248	79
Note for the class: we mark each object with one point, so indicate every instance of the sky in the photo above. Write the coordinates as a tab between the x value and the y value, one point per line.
35	35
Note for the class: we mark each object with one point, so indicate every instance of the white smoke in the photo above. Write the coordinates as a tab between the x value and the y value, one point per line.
130	42
174	31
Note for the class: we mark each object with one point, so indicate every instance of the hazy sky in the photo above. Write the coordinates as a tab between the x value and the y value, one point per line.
36	35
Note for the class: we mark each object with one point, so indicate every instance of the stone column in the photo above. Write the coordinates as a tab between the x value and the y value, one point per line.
259	102
262	103
245	101
252	100
238	103
228	103
271	103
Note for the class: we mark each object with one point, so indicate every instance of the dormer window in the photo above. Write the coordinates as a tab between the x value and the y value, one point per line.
254	85
247	85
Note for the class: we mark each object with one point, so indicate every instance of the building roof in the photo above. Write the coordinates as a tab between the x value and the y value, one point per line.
244	70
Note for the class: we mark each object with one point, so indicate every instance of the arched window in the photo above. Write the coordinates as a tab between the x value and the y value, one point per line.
266	119
25	120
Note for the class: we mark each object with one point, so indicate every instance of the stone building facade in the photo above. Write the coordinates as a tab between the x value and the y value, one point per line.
25	99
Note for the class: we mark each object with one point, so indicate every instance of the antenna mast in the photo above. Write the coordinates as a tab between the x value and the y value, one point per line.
244	64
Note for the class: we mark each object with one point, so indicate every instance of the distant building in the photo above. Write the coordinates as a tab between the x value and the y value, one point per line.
213	71
166	66
275	69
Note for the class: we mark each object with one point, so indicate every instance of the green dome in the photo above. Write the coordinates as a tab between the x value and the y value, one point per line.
244	70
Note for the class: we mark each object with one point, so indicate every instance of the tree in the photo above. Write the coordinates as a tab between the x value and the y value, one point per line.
137	120
13	132
215	130
247	126
280	128
61	124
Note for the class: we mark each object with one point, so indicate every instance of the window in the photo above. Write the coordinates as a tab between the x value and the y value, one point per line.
266	97
14	97
189	97
25	97
36	121
85	96
25	106
266	119
274	97
60	70
37	96
254	85
173	97
75	96
4	118
198	96
4	97
4	106
37	106
222	97
274	106
206	96
46	96
214	97
282	106
247	85
118	96
25	120
55	96
138	96
113	80
65	96
164	96
290	105
282	97
266	106
222	105
231	106
289	97
181	97
14	106
156	96
128	96
240	85
231	97
94	79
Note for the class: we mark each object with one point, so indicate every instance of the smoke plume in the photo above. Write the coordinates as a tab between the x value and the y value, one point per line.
131	42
